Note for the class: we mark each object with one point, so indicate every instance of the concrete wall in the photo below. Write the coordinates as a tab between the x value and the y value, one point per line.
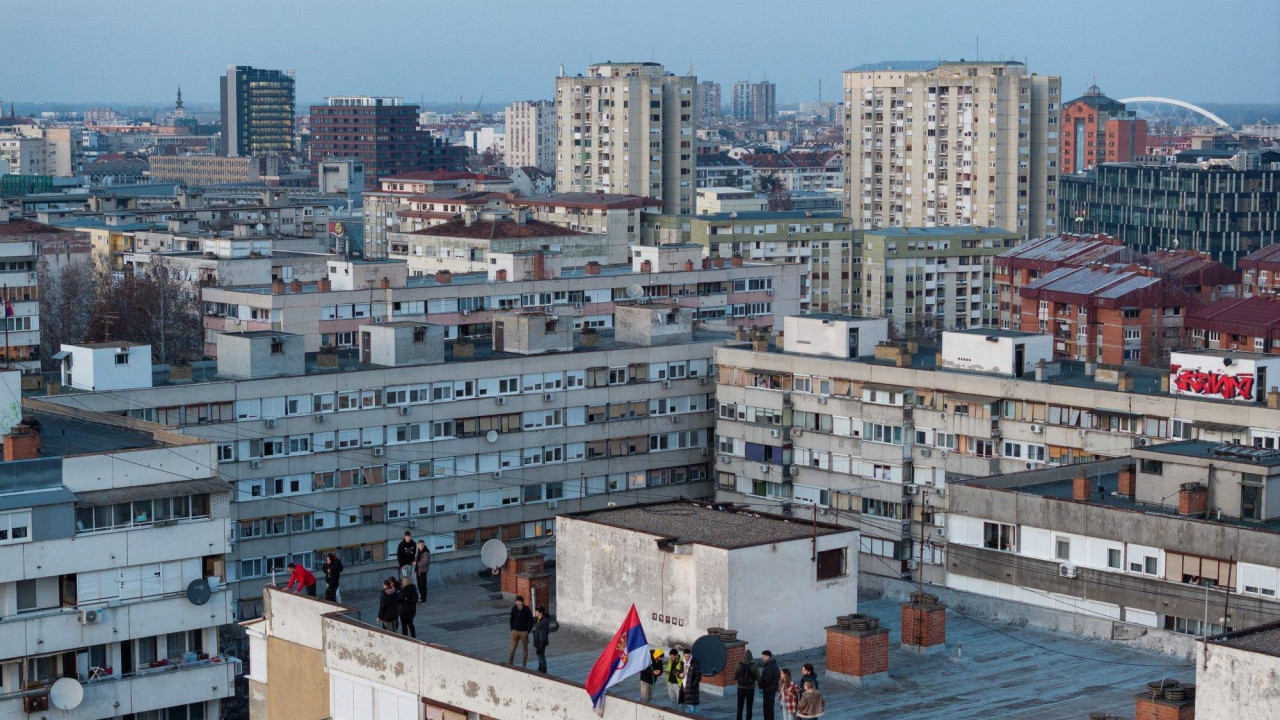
818	336
652	324
993	354
250	356
96	368
1232	683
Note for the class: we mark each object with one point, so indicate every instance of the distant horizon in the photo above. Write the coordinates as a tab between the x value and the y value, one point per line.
514	50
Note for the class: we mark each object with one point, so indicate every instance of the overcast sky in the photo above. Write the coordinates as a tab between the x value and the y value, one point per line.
138	51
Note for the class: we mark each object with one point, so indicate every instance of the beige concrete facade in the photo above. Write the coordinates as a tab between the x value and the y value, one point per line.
952	143
627	128
531	134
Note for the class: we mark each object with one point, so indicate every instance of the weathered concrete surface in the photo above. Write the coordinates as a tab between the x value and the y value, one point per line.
1233	683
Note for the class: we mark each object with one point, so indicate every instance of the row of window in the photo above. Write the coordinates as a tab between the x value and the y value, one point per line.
141	513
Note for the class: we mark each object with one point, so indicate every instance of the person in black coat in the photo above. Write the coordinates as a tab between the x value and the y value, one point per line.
541	636
406	553
408	607
332	576
770	677
389	605
521	623
690	683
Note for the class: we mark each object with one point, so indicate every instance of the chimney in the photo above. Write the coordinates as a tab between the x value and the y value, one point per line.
1166	700
277	287
593	268
706	263
469	216
688	265
735	651
858	650
1273	399
1124	382
22	443
924	623
719	262
444	277
1193	499
1081	488
386	282
295	286
1127	480
539	266
736	261
324	285
646	266
500	275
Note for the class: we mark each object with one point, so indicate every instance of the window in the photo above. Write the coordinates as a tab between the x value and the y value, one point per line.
831	564
998	536
15	527
122	358
1113	558
1063	549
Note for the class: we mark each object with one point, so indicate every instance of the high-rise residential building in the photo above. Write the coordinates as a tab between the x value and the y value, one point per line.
257	111
30	149
531	134
1097	129
933	143
756	102
627	128
708	95
381	131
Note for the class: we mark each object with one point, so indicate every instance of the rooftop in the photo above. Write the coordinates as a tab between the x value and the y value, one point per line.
989	677
588	200
1069	250
713	525
1240	315
1246	454
443	176
1263	639
1268	254
22	226
897	232
502	229
993	332
923	65
758	215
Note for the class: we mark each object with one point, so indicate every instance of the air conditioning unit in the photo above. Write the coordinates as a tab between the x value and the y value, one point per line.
666	383
704	380
547	397
1067	570
911	489
942	532
770	291
725	458
926	452
793	471
764	468
91	617
1144	441
822	399
775	433
269	422
404	409
465	313
500	401
551	504
379	451
463	516
797	432
1080	432
675	419
1037	429
913	564
703	451
497	473
319	418
255	464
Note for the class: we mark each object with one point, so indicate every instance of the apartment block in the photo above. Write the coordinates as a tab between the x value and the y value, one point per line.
874	434
257	111
627	128
709	102
382	132
1248	324
114	536
799	170
926	280
30	149
1261	270
20	295
329	312
1031	260
531	135
1097	129
200	170
755	101
932	143
457	442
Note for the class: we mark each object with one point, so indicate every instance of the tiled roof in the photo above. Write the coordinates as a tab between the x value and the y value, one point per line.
1255	315
1192	267
495	230
1066	251
22	226
1268	254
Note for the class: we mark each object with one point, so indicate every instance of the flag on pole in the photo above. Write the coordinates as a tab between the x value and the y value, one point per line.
626	655
8	309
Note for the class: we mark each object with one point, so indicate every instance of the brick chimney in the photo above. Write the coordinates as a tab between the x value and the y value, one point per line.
719	262
324	285
386	283
735	651
295	286
500	275
646	266
706	263
1081	488
444	277
22	443
1166	700
277	287
924	623
688	265
593	268
858	650
539	266
1128	481
1193	499
736	261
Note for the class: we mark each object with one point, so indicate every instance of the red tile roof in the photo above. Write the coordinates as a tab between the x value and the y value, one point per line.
1255	316
1266	258
22	226
587	200
494	230
1192	268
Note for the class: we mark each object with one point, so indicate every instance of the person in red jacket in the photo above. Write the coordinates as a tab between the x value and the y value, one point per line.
304	579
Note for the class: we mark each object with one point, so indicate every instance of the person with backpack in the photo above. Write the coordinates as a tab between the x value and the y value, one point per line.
408	607
389	605
332	577
675	668
747	676
540	636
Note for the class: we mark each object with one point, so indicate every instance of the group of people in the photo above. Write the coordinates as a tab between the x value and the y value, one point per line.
797	698
400	597
305	580
529	624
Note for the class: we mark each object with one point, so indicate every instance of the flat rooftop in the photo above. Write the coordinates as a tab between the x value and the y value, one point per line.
61	436
1004	670
1263	639
1246	454
995	332
946	231
713	525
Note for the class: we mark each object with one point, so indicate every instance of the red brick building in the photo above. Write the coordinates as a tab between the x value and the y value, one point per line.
1248	324
381	132
1097	129
1023	265
1111	314
1261	270
1204	279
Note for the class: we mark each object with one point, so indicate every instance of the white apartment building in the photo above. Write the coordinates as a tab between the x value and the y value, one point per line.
457	443
875	438
112	565
37	150
627	128
531	134
20	300
952	143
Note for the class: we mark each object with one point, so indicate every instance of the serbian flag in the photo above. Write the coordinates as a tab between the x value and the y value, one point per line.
626	655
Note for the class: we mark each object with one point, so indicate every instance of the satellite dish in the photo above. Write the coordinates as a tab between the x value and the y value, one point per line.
259	227
710	653
493	554
492	436
198	591
635	292
66	694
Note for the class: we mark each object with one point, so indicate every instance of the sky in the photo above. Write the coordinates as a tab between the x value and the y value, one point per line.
136	51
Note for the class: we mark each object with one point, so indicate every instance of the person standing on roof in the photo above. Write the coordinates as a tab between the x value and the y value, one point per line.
303	578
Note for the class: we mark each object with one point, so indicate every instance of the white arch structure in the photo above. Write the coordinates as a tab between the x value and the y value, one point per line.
1179	103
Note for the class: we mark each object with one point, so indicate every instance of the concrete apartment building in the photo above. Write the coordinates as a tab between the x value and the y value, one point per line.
930	279
30	149
257	111
708	101
1097	129
330	311
931	143
456	443
531	134
466	244
382	132
114	536
755	102
1180	536
200	170
627	128
799	170
20	298
1020	266
875	434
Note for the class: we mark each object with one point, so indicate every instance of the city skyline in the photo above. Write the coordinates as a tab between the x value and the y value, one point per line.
573	34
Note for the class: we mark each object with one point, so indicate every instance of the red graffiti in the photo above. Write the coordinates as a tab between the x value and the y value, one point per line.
1201	382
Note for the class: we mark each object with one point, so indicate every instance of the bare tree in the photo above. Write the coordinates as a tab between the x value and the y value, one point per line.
67	299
